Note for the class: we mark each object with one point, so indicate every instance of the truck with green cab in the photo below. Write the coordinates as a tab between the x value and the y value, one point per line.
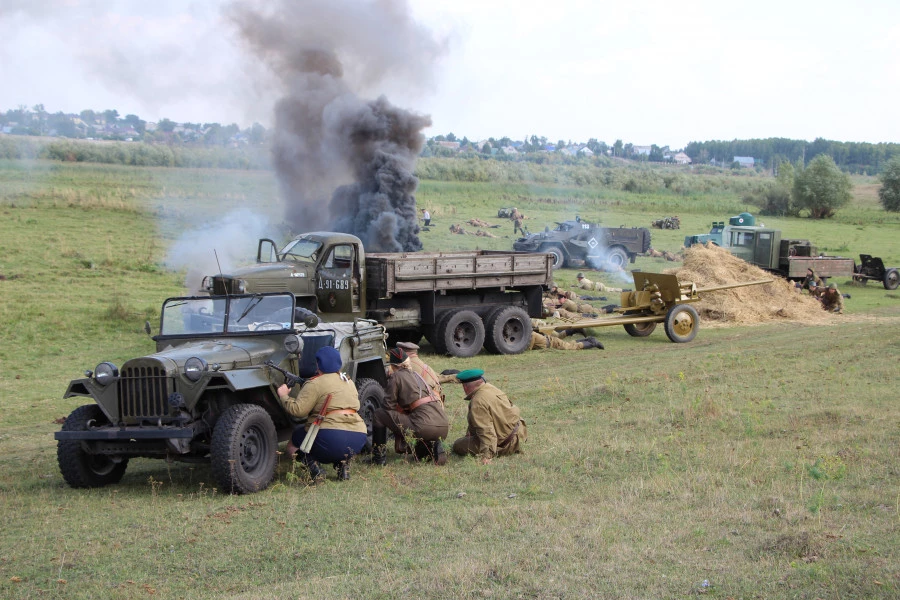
460	301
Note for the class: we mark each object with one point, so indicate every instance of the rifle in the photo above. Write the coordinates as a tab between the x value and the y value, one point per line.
290	379
313	430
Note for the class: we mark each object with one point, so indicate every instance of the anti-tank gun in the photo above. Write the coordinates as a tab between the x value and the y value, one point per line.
658	298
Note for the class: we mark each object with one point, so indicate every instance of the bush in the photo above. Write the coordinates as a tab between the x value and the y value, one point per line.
889	192
821	188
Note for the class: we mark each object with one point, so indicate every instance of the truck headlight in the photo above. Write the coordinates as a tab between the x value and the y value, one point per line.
106	373
239	286
194	368
293	344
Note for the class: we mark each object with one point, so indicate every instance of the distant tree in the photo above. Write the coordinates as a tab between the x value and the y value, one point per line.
560	144
618	148
136	123
821	188
166	125
256	134
111	116
88	116
486	149
889	192
451	137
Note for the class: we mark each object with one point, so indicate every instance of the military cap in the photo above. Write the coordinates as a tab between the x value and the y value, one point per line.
579	276
470	375
407	346
398	356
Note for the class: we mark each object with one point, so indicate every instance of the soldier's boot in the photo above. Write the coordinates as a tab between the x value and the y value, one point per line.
316	472
567	332
400	446
439	454
343	470
592	342
379	446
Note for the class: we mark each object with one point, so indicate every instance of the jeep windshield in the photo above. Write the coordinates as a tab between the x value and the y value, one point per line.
227	314
302	250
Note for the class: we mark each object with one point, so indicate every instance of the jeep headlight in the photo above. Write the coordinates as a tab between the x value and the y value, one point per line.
293	344
106	373
194	368
239	286
207	284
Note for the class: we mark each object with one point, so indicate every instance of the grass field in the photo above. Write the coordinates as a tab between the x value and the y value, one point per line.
762	460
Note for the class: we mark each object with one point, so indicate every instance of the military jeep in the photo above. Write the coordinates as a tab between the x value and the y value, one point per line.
580	242
207	394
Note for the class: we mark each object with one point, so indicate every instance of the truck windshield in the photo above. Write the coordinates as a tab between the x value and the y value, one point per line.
227	314
305	250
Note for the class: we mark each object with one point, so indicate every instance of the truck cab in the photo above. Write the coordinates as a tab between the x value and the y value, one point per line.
324	270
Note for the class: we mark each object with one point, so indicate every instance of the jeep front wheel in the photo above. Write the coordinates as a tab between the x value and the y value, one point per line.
243	449
79	468
371	398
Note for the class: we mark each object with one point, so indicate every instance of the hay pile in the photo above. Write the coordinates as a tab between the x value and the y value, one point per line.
709	266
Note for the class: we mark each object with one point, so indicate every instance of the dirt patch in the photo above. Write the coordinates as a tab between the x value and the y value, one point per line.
710	266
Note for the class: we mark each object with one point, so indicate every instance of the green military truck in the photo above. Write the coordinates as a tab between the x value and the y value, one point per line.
208	393
766	248
460	301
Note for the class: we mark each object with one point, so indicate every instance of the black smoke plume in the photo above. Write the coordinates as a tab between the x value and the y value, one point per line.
342	162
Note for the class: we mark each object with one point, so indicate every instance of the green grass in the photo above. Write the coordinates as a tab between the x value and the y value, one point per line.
762	459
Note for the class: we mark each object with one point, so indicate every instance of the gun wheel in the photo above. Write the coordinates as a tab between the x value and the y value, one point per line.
639	329
891	279
682	323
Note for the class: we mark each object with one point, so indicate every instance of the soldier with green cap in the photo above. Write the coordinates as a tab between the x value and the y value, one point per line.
495	427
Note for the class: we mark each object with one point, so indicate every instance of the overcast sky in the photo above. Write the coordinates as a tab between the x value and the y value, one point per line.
647	72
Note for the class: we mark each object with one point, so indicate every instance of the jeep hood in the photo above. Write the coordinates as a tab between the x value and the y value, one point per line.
229	353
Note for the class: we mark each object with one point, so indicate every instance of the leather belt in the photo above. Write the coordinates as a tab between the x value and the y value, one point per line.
418	403
341	411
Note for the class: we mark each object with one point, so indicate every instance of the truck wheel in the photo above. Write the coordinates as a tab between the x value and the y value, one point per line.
639	329
371	398
81	469
682	323
559	259
461	334
617	257
243	449
508	330
891	279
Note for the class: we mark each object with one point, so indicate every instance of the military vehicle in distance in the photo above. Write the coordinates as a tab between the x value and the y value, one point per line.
764	247
667	223
206	394
581	242
460	301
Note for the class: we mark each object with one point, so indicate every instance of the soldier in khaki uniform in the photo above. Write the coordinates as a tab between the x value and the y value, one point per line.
496	427
569	301
342	433
832	299
540	341
811	277
586	284
410	406
419	366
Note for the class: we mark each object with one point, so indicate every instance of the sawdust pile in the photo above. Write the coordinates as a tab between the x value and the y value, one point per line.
710	266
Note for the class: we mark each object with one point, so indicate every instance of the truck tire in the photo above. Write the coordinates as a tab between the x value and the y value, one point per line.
891	279
79	468
507	330
371	398
682	323
243	449
617	257
639	329
460	334
559	257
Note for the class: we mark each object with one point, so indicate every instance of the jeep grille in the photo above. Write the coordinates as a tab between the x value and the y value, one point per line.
144	393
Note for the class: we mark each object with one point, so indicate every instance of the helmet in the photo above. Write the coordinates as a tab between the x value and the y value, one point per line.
579	276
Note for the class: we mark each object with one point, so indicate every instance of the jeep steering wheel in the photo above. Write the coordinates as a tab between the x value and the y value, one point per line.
268	326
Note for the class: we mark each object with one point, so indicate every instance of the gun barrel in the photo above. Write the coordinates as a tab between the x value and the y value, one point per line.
730	286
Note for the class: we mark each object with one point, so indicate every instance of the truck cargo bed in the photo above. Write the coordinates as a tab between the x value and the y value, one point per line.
392	273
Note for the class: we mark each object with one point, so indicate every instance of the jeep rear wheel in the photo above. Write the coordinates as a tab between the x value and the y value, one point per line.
79	468
243	449
371	398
